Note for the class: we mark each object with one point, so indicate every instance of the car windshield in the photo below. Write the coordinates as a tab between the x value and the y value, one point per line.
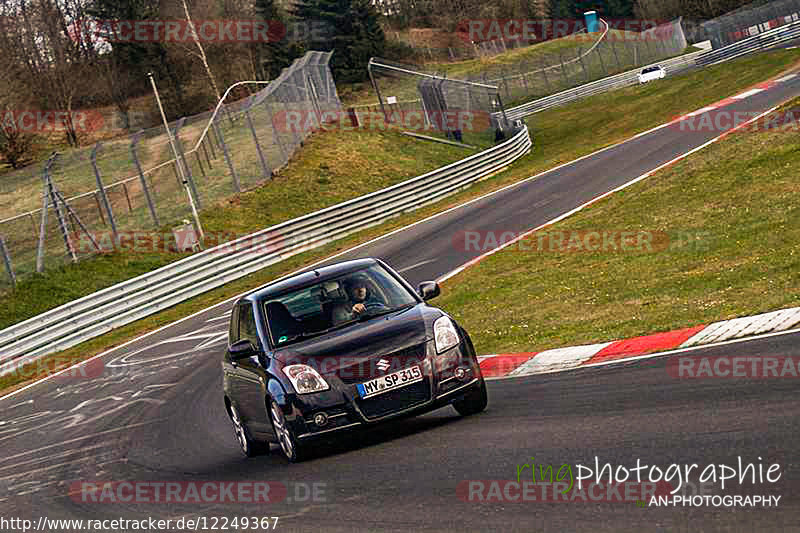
333	304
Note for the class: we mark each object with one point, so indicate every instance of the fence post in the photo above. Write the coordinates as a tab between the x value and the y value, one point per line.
205	151
103	197
635	53
200	164
43	221
580	58
283	98
135	156
544	72
563	71
50	192
264	166
33	222
616	57
649	53
7	261
276	134
184	162
600	57
218	132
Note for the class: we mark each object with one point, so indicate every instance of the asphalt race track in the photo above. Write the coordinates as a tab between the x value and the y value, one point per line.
152	411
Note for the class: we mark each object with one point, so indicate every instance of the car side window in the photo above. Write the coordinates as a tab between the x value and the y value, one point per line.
233	333
247	325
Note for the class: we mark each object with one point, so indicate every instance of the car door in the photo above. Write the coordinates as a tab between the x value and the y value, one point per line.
250	375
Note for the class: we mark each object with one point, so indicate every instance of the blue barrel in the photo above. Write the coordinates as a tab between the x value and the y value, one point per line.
592	25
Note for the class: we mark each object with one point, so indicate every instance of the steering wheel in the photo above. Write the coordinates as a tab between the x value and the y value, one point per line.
371	307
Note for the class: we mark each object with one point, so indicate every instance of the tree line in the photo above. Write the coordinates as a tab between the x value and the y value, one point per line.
65	55
54	58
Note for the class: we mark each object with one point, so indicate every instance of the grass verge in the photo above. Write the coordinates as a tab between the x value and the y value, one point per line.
332	167
728	225
561	135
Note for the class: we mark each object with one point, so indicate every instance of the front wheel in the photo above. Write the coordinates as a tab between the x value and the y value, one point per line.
474	402
291	448
250	447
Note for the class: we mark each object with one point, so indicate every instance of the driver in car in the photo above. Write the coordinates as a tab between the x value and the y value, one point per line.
360	295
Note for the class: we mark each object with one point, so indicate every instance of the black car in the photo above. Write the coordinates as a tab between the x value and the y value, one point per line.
341	347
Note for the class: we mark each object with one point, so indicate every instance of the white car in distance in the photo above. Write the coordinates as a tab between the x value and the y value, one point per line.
655	72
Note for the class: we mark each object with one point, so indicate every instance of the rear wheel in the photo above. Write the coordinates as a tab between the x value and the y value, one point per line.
250	447
473	402
291	448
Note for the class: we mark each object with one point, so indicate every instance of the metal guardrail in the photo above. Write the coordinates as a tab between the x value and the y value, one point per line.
98	313
126	302
703	58
618	81
756	43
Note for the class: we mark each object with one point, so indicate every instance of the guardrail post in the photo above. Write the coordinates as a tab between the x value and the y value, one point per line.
236	186
145	188
103	197
7	261
264	166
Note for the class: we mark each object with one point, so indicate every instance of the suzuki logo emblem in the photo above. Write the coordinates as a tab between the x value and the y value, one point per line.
383	365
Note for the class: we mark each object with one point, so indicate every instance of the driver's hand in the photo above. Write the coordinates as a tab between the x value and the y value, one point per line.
359	308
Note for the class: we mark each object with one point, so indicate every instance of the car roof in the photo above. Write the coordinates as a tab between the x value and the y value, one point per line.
306	278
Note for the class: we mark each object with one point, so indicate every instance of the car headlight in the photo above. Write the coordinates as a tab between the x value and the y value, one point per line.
445	334
305	379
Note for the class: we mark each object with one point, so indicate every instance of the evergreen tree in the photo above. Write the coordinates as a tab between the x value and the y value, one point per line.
278	53
561	9
351	28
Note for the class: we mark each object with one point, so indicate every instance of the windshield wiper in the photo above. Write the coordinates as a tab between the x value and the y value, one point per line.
392	310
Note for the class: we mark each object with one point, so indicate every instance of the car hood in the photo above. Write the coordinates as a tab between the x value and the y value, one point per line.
364	340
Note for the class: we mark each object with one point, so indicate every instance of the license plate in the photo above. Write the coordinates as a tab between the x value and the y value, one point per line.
392	381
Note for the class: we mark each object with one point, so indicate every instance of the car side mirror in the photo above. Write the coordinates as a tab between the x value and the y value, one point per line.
429	290
242	350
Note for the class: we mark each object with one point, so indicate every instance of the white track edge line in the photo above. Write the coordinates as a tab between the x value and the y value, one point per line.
145	335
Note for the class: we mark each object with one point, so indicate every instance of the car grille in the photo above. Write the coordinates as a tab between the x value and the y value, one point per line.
396	400
366	370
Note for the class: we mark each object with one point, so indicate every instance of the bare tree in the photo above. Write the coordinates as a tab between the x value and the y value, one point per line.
202	53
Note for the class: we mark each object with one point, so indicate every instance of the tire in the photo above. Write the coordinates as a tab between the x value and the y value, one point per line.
289	445
474	402
249	446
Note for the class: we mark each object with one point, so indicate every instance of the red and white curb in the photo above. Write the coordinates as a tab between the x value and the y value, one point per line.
561	359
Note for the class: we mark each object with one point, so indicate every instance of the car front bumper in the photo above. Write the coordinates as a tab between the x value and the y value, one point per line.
344	409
